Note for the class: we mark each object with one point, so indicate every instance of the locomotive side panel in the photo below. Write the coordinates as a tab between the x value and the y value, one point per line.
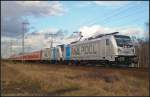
99	49
53	57
85	51
46	54
59	53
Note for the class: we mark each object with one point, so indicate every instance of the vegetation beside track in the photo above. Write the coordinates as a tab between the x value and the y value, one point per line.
47	79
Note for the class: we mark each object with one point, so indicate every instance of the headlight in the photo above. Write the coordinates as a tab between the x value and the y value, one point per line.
119	50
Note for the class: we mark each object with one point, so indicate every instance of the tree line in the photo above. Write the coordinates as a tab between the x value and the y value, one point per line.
142	52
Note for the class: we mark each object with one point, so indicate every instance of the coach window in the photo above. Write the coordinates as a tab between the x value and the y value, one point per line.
107	41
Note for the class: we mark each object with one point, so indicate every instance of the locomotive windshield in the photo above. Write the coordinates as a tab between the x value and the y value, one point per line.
123	40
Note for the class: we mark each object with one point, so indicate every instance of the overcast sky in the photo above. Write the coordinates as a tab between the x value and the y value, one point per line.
64	17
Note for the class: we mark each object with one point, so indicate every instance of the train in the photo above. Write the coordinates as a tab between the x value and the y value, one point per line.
107	49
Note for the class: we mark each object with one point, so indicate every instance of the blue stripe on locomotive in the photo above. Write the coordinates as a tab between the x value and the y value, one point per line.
68	53
53	55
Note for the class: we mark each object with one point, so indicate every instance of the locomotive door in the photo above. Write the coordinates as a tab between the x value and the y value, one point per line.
107	49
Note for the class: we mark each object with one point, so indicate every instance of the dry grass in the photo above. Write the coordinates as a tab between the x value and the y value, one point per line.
45	79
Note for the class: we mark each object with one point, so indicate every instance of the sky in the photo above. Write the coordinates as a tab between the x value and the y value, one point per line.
62	18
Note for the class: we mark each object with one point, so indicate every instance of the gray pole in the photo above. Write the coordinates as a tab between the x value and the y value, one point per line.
24	30
11	47
52	41
22	41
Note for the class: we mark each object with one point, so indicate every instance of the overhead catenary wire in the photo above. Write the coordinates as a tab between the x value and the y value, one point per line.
111	15
132	21
114	14
107	13
125	17
97	16
89	21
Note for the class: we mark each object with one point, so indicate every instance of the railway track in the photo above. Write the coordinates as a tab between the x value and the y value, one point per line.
138	69
117	67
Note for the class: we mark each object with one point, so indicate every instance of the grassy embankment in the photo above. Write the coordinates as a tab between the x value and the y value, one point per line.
42	79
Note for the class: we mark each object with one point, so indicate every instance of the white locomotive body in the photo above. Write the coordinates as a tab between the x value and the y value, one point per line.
117	49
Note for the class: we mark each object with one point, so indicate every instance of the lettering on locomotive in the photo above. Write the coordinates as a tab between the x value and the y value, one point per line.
85	49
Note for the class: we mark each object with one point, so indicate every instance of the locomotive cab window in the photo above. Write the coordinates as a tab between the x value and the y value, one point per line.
107	42
123	40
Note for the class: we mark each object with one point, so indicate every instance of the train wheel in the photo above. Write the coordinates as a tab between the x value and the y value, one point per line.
106	64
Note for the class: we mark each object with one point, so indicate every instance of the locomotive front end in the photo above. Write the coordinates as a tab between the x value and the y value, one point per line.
125	50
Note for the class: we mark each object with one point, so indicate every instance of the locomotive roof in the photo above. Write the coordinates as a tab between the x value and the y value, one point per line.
92	40
100	38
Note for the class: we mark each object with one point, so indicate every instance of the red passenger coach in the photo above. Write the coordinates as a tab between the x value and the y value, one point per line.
33	56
